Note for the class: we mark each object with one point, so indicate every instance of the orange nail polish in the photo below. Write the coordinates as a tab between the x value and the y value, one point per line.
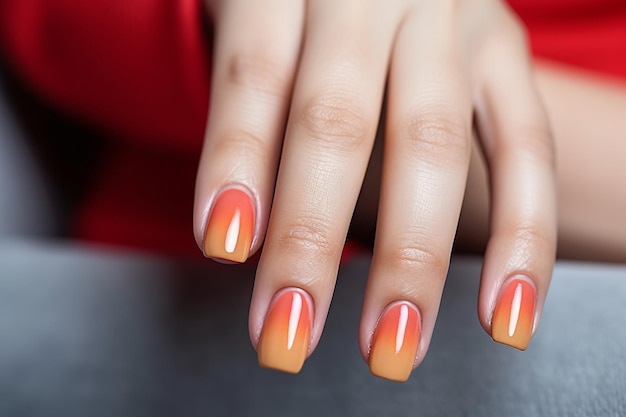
229	231
395	343
513	317
285	336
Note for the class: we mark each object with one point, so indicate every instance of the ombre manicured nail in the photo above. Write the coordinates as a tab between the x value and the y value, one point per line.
285	336
513	317
230	228
395	342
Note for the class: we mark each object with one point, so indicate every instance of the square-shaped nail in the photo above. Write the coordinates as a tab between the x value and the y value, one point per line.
230	227
395	342
286	331
514	315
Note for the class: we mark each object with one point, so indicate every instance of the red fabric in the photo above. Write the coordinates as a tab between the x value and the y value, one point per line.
139	70
590	34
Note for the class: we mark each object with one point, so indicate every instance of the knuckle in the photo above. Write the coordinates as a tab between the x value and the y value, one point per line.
530	236
516	31
336	120
510	34
238	143
537	143
256	72
410	257
308	236
438	133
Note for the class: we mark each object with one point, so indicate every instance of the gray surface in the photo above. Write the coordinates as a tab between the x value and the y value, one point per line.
88	332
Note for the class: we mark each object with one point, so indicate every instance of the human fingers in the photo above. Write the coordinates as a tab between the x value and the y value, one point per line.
426	157
256	52
334	115
518	146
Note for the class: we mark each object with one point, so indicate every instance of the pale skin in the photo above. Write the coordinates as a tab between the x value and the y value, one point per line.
297	92
586	112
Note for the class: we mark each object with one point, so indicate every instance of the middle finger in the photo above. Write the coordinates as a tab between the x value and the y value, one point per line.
332	123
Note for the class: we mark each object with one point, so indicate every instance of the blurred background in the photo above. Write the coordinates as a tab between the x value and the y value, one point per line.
107	306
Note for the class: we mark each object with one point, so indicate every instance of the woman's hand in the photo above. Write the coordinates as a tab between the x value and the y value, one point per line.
297	93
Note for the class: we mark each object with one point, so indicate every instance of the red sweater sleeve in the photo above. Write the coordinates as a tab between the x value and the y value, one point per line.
138	68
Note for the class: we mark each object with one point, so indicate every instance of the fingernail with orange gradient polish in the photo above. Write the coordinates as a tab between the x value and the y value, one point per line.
513	317
230	228
395	342
285	336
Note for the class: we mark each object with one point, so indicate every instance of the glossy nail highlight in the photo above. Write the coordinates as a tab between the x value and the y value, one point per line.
285	336
395	342
513	317
230	228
